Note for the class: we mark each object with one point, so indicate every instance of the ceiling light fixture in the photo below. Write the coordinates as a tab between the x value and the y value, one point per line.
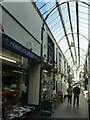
17	71
8	59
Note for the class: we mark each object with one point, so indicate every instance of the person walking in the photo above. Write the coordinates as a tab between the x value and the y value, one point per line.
76	91
70	92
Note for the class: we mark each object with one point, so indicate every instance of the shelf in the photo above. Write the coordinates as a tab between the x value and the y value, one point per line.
8	92
10	99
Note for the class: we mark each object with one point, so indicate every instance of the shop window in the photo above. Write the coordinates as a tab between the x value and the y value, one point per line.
50	50
60	61
14	82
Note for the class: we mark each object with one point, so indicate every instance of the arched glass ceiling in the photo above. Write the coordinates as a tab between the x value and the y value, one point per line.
82	53
71	17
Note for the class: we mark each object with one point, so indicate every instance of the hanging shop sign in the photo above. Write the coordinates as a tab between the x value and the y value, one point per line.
68	71
15	46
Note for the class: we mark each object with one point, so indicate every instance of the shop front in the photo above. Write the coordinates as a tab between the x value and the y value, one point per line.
47	87
16	70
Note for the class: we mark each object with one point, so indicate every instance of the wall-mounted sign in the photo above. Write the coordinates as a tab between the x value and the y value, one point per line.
17	47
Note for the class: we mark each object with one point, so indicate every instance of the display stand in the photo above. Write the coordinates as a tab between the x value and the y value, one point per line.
10	99
46	103
46	108
20	113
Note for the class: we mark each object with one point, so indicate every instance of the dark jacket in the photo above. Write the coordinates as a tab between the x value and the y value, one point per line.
76	91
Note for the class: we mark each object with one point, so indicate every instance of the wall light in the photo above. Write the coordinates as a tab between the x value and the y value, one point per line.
17	71
8	59
45	71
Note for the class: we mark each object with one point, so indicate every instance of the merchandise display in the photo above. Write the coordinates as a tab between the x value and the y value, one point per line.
13	94
20	113
47	88
9	99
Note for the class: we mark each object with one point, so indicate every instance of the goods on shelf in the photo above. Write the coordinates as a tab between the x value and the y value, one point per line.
20	113
9	99
60	96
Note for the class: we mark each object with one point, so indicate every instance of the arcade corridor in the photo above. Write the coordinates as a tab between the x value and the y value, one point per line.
64	110
67	111
45	56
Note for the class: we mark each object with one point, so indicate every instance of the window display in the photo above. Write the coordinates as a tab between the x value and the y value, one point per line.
13	75
10	89
47	85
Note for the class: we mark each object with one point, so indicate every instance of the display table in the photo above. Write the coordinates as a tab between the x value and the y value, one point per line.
20	113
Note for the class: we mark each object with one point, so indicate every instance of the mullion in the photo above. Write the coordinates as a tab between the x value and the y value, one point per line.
36	1
48	10
58	29
53	20
54	24
44	5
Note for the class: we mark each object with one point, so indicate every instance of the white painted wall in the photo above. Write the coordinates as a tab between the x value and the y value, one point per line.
26	14
34	84
14	30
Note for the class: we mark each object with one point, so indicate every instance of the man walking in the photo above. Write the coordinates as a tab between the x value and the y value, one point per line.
70	91
76	91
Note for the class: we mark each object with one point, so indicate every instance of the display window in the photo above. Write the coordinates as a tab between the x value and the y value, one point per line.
14	81
17	68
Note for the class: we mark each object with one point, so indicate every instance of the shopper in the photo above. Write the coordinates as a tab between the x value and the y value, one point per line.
70	92
76	91
65	87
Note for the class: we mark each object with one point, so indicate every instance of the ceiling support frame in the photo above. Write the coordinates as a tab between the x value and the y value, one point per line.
77	20
68	7
59	10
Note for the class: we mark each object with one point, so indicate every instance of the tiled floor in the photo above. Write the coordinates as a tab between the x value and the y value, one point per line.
66	111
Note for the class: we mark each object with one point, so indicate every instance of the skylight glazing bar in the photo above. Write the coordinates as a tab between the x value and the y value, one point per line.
83	12
53	20
83	30
83	23
71	28
48	10
83	18
84	6
44	5
59	34
52	13
82	26
59	10
80	12
36	1
78	32
55	24
58	29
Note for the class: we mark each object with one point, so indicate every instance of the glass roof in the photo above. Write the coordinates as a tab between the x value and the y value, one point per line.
68	23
